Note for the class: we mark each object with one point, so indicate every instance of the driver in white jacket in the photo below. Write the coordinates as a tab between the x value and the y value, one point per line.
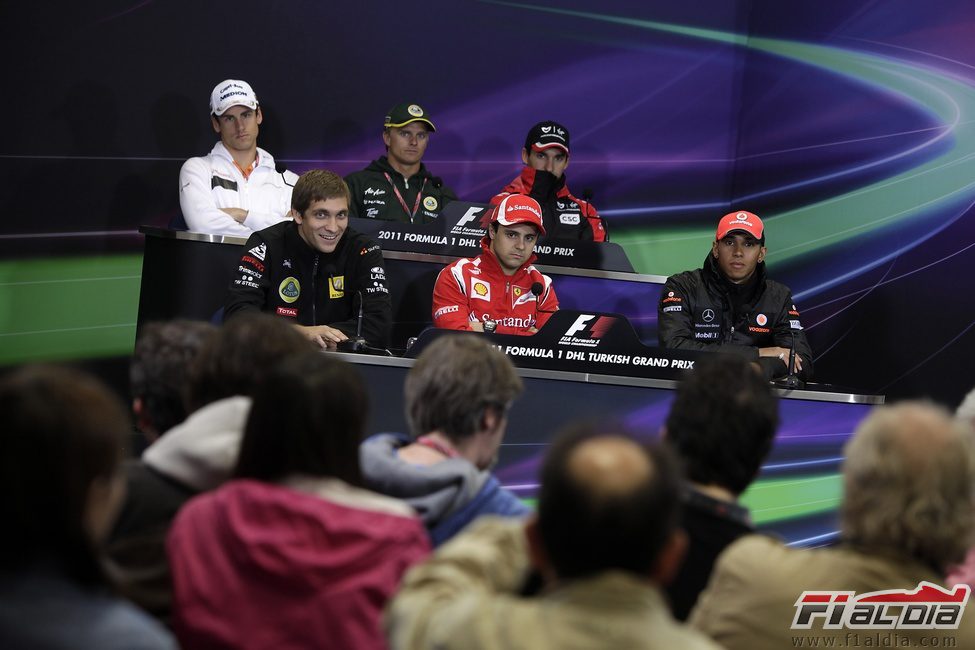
236	189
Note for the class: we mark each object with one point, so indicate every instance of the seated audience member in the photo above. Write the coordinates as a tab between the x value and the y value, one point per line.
499	290
236	189
397	186
721	426
292	552
195	455
157	374
316	271
730	304
457	399
61	437
546	156
964	573
907	514
606	539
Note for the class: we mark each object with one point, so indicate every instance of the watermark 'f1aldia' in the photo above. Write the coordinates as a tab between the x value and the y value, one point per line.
927	607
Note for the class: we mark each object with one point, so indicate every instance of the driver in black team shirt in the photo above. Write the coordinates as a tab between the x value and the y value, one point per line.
397	186
730	304
316	270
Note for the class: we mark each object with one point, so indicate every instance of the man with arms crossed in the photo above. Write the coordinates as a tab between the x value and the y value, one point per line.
236	189
316	270
499	290
397	186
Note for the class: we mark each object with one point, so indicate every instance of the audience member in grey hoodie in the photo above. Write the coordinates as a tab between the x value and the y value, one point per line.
457	398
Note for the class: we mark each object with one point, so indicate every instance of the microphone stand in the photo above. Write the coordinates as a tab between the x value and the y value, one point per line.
790	381
356	343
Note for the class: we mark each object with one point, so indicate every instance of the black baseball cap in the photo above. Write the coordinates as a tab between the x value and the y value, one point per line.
546	135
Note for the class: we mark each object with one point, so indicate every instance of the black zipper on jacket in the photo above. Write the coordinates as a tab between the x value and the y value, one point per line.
314	301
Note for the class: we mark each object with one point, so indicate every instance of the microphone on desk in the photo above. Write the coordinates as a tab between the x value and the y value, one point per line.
357	343
587	197
537	289
791	380
281	168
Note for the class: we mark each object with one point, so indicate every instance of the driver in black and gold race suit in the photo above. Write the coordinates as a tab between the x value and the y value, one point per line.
730	305
316	270
397	186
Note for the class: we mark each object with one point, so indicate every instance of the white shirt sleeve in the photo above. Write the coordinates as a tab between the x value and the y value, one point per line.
197	204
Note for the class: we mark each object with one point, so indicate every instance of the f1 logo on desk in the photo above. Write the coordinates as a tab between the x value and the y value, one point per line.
587	330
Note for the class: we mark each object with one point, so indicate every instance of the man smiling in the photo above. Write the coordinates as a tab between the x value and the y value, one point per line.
499	290
397	186
316	270
730	305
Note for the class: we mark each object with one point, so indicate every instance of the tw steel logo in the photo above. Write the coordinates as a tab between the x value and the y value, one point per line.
928	607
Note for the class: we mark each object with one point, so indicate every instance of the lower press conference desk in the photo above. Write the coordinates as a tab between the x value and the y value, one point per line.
796	495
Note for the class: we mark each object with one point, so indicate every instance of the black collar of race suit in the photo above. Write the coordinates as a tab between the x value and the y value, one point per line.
742	293
381	164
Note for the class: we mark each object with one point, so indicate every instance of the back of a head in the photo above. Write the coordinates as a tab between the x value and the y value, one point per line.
61	430
452	383
722	423
308	417
235	358
160	364
606	503
909	474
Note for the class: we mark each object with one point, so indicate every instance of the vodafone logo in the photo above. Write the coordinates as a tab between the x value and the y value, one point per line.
742	216
762	320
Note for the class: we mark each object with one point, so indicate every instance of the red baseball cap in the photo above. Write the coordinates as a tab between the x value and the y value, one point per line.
518	208
746	222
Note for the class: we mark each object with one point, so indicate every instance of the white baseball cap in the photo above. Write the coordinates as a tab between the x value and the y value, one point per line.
231	92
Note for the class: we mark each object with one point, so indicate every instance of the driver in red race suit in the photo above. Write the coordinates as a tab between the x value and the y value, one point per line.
499	290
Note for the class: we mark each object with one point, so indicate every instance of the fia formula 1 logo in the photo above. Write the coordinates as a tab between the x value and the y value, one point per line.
587	330
927	607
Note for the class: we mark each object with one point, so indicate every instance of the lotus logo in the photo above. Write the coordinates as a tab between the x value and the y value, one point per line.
414	110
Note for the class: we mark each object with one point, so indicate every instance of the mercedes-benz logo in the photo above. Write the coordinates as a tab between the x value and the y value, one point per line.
708	315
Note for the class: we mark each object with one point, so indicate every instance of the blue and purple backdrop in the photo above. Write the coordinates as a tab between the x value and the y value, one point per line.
848	126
